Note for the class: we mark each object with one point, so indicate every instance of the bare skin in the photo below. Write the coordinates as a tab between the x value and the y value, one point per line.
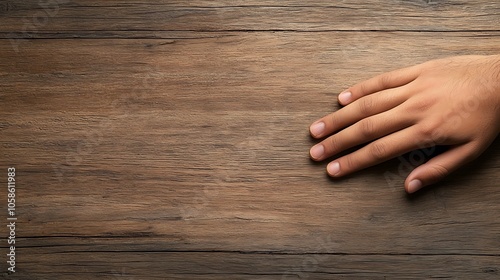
453	101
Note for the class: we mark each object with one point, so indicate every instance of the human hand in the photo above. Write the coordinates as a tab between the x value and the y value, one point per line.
453	101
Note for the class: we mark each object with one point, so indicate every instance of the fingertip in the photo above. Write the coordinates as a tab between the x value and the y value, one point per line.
413	186
345	98
316	152
333	169
317	129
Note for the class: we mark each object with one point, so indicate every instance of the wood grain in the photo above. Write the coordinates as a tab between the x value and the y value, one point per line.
104	17
178	149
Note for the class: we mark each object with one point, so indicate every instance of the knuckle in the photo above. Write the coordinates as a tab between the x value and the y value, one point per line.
385	80
331	119
378	150
439	171
366	105
363	88
420	105
333	145
428	130
348	164
367	128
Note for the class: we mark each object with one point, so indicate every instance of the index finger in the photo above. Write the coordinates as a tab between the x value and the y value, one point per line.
381	82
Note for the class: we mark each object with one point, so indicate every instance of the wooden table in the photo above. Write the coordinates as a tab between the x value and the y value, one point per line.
169	140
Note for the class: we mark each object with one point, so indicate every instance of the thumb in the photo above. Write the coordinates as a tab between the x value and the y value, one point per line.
439	167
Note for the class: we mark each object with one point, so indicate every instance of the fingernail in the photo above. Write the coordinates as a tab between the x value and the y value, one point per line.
317	151
345	97
414	186
317	128
333	168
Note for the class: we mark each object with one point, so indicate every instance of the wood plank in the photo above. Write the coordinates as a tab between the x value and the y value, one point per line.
104	18
201	144
206	265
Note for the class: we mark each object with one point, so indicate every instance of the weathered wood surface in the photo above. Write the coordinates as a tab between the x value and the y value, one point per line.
169	140
108	16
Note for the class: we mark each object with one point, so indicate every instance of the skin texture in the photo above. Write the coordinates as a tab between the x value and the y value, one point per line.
453	101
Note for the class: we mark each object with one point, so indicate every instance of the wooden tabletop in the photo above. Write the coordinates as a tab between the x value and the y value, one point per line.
169	140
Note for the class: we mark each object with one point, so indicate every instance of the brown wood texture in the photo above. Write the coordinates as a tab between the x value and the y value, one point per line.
169	140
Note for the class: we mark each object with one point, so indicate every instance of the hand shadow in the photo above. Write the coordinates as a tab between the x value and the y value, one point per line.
463	176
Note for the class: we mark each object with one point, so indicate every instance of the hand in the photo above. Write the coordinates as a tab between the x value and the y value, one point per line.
453	101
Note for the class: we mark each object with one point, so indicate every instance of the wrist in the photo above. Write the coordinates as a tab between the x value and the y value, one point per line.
495	82
491	77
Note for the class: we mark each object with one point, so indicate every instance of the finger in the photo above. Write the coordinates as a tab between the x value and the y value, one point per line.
368	106
378	151
364	131
440	166
381	82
